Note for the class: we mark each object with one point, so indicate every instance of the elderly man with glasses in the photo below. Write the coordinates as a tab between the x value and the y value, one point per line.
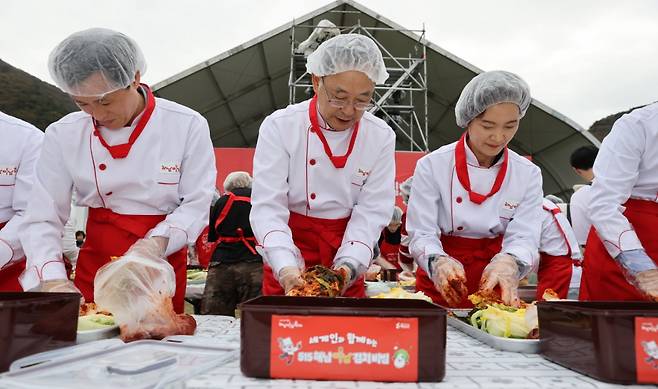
324	171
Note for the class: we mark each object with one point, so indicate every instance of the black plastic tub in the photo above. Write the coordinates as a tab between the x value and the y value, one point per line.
32	322
603	340
343	339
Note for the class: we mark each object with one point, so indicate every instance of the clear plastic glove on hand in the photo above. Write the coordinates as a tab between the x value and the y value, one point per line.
449	279
290	277
640	271
58	286
504	272
350	270
647	283
372	272
149	248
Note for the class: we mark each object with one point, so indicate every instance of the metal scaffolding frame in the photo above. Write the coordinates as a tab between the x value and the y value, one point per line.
401	102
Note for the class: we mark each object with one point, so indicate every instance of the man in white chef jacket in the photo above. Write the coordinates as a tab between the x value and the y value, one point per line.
143	165
324	171
621	254
19	151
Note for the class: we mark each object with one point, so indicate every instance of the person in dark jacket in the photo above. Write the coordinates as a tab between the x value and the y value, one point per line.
236	269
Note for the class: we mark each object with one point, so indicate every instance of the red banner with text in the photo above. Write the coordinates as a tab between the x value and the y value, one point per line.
646	349
344	348
229	160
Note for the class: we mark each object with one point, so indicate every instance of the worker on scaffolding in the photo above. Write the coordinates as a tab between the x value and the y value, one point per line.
324	171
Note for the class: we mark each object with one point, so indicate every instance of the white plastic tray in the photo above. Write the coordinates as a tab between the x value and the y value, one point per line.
140	364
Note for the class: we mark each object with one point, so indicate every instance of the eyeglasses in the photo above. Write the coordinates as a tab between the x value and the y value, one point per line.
342	103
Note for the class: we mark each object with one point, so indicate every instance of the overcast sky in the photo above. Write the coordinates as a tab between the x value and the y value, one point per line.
584	58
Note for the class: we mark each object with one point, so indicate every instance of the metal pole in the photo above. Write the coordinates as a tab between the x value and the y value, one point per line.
426	119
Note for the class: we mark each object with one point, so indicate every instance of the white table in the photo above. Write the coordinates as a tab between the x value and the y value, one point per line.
469	364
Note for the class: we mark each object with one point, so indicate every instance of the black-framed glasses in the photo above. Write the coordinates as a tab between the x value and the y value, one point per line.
342	103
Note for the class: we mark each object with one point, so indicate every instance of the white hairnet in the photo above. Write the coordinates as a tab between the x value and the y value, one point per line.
236	180
405	189
491	88
348	52
111	55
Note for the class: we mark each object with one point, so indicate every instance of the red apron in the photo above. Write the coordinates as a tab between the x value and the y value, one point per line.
318	240
602	277
206	249
474	254
405	257
9	274
390	252
109	235
554	273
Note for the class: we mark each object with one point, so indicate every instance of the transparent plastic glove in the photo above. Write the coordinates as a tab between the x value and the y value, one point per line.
647	282
58	286
504	272
150	248
635	262
640	271
449	279
351	270
290	277
371	273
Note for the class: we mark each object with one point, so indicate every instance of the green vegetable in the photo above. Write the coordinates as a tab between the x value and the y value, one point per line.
94	322
503	321
195	275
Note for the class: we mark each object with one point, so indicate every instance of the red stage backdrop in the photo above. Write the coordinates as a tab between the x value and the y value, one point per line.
232	159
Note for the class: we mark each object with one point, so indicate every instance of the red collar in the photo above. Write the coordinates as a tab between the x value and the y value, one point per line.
462	172
338	161
122	150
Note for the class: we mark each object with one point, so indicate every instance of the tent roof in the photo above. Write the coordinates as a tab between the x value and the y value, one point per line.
237	89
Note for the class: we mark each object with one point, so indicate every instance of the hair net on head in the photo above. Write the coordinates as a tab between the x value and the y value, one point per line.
348	52
95	62
491	88
405	189
236	180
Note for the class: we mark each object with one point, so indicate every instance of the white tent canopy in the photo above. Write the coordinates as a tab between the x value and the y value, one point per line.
237	89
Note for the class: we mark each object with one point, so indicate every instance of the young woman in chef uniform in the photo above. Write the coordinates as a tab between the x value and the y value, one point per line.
621	254
143	165
324	171
474	213
19	151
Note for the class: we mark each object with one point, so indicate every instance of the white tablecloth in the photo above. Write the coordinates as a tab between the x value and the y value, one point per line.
469	364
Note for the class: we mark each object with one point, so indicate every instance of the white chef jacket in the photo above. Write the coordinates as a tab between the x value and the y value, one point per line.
439	204
292	173
170	170
578	208
552	241
19	151
626	167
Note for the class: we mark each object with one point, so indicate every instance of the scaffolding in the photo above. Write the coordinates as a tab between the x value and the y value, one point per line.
401	102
